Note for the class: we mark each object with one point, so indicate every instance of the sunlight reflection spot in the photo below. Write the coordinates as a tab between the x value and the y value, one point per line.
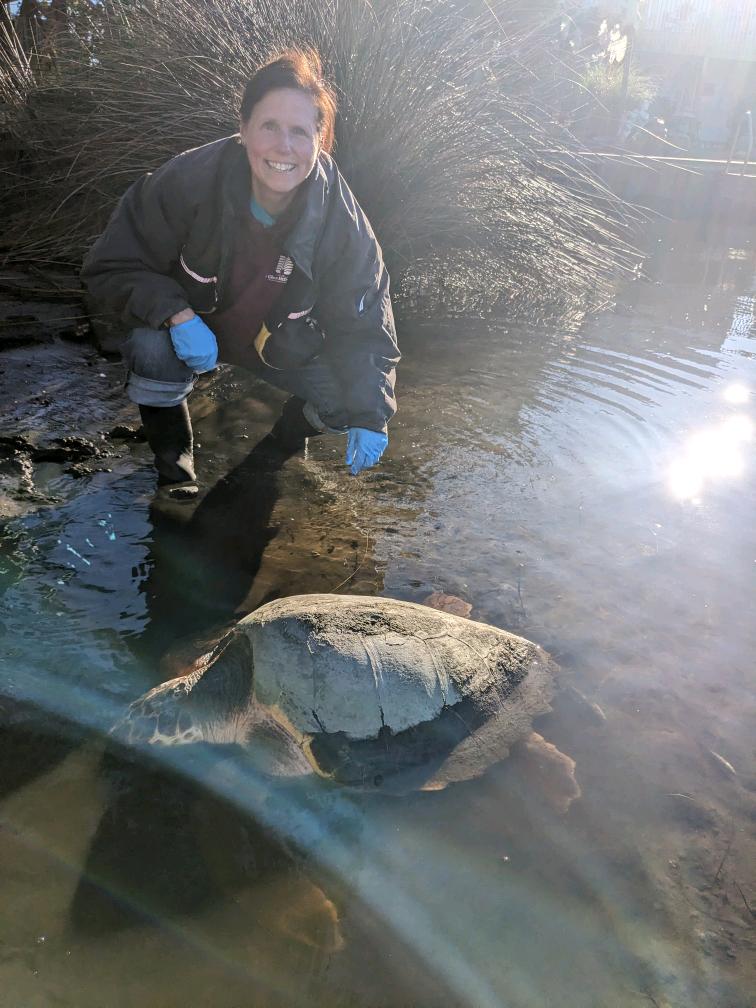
713	454
736	393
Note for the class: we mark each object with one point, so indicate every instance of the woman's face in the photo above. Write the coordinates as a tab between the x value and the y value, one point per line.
282	143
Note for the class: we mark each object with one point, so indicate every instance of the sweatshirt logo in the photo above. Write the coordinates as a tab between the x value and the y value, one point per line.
284	269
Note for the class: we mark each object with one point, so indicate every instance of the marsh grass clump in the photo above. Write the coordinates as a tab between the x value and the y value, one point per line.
604	82
471	185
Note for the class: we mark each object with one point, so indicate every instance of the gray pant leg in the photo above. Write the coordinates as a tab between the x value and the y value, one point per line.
156	376
317	384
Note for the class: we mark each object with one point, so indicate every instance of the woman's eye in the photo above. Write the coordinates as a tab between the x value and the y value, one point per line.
268	126
300	131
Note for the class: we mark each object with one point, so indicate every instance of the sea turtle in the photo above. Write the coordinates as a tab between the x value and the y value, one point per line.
373	693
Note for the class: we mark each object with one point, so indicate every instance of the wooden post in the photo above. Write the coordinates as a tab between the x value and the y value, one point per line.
626	63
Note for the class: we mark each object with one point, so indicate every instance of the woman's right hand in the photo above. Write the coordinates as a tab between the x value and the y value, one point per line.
194	342
364	448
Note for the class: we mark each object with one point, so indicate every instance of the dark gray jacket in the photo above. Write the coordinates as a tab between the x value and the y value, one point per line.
168	246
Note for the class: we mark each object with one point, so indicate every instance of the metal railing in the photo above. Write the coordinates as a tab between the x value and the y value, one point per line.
745	127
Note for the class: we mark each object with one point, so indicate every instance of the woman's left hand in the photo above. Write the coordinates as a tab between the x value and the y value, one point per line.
364	448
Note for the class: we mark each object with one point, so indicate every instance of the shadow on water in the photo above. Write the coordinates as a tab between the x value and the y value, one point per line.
166	845
31	743
204	561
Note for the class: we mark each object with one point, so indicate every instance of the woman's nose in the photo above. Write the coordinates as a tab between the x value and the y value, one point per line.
284	141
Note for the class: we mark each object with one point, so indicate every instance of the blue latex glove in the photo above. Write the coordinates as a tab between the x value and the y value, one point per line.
364	448
195	345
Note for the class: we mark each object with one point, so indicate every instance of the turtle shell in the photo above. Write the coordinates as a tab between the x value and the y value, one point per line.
385	689
371	692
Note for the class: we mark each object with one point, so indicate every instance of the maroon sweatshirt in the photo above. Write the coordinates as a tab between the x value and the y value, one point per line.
259	272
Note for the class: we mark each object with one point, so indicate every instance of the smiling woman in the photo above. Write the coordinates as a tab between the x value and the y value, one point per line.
284	128
253	251
281	137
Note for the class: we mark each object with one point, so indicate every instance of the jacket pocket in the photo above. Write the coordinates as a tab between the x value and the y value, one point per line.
202	291
290	345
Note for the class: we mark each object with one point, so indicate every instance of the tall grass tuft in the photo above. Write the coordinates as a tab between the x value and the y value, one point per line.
16	78
472	186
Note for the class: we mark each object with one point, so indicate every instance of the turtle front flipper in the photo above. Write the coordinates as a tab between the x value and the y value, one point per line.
160	717
210	704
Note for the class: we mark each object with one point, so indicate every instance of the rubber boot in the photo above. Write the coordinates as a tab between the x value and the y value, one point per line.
169	434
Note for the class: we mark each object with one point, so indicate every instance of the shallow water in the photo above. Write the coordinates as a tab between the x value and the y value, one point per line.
592	490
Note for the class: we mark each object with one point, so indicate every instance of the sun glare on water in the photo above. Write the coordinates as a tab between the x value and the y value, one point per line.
709	456
737	393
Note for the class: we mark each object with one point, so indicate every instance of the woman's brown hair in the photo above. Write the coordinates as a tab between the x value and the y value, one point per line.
301	70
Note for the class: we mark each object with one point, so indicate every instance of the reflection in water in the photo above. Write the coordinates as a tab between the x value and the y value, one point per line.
530	475
71	602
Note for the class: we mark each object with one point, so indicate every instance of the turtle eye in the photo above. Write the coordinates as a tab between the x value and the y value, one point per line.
378	779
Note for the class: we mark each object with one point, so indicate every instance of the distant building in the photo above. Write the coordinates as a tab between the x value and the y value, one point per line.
711	29
704	54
